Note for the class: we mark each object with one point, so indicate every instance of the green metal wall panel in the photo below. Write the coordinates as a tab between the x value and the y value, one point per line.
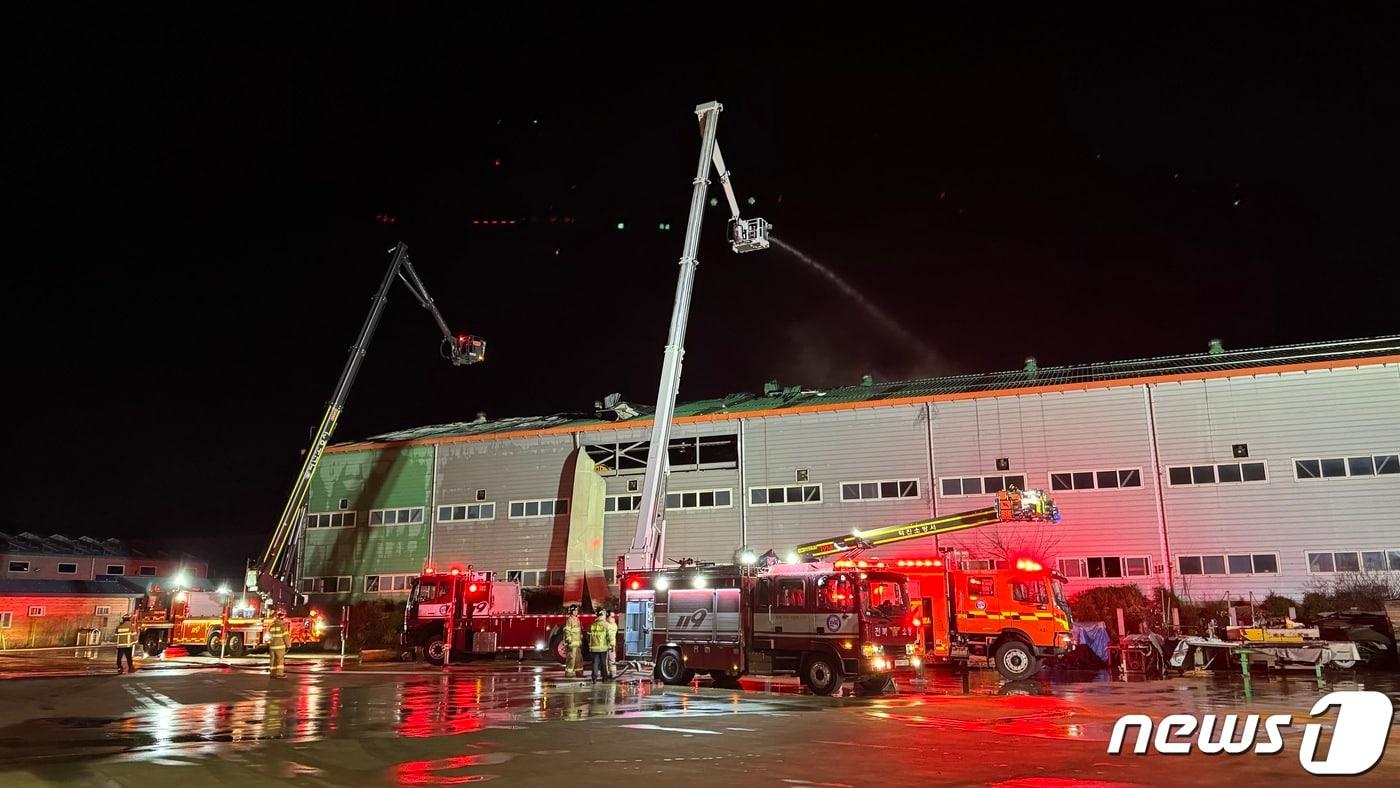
369	480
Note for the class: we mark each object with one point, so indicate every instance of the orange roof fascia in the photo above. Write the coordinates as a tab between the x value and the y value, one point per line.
1277	369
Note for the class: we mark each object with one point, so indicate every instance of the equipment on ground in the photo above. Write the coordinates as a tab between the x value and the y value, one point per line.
745	235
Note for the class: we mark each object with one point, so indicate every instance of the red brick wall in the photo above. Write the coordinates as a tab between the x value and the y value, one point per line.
63	616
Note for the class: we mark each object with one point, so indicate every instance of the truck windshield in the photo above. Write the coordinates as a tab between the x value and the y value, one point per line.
884	597
1059	589
425	590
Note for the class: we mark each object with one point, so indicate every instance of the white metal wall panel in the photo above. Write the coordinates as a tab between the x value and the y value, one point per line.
1326	413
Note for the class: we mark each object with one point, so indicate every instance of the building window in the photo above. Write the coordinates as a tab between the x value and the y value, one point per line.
1220	473
19	566
874	491
706	452
407	516
6	619
116	569
102	610
1238	564
979	485
609	575
146	571
535	578
1354	561
785	496
698	499
326	585
1105	566
980	564
547	507
621	503
462	512
331	520
67	569
1342	467
36	611
1110	479
388	584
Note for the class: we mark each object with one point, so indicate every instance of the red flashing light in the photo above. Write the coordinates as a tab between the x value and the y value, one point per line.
937	562
636	584
918	622
429	571
861	564
456	571
471	589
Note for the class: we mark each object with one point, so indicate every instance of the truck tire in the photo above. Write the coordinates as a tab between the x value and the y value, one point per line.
235	646
1015	660
212	644
557	648
435	650
822	674
151	644
670	668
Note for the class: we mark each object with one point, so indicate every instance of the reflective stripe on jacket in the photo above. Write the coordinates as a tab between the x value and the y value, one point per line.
573	633
126	635
278	636
598	636
612	634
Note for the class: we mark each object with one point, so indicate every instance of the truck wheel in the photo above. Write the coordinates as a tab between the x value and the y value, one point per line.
822	675
436	650
558	649
1344	664
1015	660
670	668
212	644
151	644
235	646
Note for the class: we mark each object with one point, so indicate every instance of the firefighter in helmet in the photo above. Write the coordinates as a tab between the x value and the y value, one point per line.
126	643
598	640
611	623
278	638
573	643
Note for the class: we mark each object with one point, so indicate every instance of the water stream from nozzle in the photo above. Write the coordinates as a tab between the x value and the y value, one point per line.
888	323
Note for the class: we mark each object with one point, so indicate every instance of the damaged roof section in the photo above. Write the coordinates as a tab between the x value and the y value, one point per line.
1213	362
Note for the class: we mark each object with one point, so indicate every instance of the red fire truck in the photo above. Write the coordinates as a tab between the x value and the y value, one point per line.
1014	615
194	619
823	623
478	615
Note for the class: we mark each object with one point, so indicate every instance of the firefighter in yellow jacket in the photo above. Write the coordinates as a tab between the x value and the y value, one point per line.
598	641
573	643
126	643
278	638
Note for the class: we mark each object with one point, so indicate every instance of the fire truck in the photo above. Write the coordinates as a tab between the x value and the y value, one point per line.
1014	615
195	620
478	616
821	622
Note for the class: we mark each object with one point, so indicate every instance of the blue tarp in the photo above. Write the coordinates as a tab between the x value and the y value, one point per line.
1094	635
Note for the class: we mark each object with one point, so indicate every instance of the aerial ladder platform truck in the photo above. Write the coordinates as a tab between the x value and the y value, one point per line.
1013	615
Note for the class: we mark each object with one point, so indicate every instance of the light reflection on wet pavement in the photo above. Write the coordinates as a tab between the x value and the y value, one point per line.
410	725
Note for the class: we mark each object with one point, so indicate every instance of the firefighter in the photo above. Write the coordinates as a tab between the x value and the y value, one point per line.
611	624
278	637
573	643
126	643
598	639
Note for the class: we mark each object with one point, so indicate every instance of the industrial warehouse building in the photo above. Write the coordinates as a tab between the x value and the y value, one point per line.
1220	474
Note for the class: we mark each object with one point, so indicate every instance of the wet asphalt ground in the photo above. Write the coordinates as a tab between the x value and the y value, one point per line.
190	721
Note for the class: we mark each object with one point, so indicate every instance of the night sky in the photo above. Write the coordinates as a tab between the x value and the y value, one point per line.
198	237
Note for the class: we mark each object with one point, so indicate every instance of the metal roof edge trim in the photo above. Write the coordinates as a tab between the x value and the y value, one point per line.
1245	372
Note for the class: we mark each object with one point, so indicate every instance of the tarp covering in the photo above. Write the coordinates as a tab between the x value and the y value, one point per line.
1094	635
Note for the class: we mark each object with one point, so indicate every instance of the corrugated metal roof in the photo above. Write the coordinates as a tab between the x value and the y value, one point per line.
58	544
990	382
115	587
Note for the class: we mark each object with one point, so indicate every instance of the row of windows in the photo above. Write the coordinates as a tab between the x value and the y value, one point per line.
1355	561
1242	564
457	513
1219	473
980	485
874	491
406	516
331	520
782	496
1106	566
1110	479
1342	467
546	507
72	569
698	499
544	578
388	584
326	585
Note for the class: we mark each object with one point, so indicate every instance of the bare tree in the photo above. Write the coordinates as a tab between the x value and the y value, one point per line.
1011	541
